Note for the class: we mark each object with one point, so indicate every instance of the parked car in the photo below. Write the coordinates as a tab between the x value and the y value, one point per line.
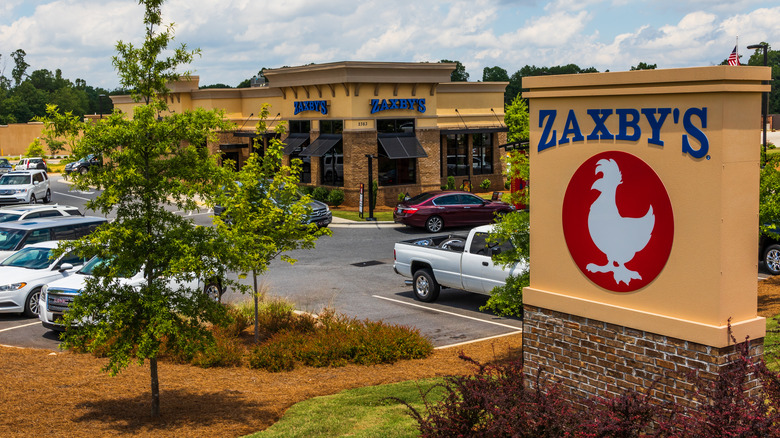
25	272
319	213
57	295
13	213
769	250
25	187
437	210
31	163
454	261
16	235
5	166
83	164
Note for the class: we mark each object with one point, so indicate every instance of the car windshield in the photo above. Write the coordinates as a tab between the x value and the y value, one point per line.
4	162
9	239
9	217
30	258
96	262
13	180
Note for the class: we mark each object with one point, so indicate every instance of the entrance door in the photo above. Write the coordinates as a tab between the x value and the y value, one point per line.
234	157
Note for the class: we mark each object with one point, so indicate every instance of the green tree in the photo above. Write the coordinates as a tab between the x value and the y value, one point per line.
20	65
515	86
459	74
35	149
644	66
507	300
773	61
152	160
494	74
516	119
264	212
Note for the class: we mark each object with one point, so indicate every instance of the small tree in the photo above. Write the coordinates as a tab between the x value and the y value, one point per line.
151	161
266	212
516	119
513	227
35	149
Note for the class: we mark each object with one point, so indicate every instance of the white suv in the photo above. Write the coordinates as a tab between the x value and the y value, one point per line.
24	187
12	213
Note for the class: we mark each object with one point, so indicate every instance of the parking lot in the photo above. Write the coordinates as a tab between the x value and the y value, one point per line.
350	272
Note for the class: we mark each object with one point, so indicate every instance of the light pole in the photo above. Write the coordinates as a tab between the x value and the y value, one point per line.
100	104
370	187
764	97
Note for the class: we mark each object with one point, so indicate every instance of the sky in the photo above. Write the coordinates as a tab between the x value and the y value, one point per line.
239	37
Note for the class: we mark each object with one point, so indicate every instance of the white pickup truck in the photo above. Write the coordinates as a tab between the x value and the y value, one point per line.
454	261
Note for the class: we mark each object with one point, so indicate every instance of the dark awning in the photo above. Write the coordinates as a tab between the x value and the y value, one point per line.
401	146
322	145
227	146
294	141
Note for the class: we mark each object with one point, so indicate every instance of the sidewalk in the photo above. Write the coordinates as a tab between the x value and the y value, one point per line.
347	223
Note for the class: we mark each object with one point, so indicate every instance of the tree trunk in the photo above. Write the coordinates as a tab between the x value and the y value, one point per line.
257	315
155	387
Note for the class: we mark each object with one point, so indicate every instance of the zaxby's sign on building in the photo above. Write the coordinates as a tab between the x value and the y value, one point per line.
644	220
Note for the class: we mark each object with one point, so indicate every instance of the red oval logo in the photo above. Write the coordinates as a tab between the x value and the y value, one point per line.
618	221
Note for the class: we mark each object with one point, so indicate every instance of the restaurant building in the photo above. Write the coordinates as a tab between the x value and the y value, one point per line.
415	125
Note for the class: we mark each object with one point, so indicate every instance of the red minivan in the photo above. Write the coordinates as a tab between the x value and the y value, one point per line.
436	210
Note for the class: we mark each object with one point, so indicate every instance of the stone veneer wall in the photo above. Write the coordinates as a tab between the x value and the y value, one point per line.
595	358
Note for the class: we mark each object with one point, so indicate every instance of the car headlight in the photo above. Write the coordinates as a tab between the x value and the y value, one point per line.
12	286
20	191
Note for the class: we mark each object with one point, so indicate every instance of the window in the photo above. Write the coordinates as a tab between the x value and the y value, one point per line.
331	126
395	126
332	166
396	172
479	245
400	170
300	126
457	161
36	236
482	153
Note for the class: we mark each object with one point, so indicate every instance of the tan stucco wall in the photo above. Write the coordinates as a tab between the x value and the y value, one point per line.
15	138
710	275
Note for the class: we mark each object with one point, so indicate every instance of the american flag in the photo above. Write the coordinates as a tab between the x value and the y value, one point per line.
733	58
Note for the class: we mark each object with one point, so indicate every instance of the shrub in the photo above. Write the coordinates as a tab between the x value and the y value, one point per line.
306	190
401	197
507	185
338	340
227	350
35	149
450	183
320	194
485	184
336	197
443	187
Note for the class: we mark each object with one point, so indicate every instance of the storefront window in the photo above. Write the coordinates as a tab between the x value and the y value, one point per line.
457	160
396	172
331	126
332	166
481	153
395	126
300	126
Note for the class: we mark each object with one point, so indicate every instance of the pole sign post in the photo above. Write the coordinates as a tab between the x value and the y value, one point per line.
360	201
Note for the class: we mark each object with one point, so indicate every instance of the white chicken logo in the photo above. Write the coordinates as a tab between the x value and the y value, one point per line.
618	237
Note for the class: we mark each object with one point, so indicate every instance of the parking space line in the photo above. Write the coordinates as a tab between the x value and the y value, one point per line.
73	196
449	313
478	340
19	326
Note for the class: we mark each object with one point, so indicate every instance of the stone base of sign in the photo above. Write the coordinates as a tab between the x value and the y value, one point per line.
594	358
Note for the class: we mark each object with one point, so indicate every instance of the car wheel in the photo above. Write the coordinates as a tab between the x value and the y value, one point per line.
47	198
83	170
214	291
32	199
772	259
31	303
425	287
434	224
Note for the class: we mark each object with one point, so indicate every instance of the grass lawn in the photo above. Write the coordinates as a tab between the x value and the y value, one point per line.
355	216
360	412
772	344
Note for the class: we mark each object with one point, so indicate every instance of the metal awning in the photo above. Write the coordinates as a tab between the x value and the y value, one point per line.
515	145
401	146
473	130
322	145
227	146
293	142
